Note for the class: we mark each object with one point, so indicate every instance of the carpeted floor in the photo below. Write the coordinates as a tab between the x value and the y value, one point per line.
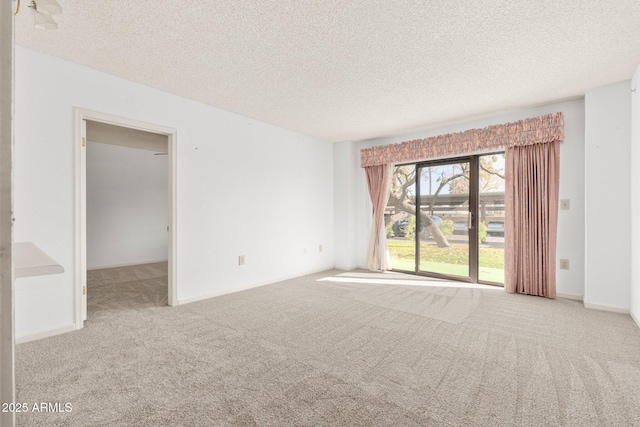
334	349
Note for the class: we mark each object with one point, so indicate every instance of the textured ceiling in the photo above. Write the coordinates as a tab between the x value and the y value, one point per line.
352	70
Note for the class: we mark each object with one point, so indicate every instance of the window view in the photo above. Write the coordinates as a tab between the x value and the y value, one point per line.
440	233
491	218
444	204
400	219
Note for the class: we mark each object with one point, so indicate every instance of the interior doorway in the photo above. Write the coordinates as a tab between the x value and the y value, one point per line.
118	141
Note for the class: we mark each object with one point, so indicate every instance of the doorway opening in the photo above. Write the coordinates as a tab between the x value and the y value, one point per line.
445	218
125	208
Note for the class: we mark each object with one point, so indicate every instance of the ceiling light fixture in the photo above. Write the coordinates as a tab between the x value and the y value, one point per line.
42	11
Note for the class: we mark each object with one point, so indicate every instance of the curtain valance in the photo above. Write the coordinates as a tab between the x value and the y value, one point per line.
535	130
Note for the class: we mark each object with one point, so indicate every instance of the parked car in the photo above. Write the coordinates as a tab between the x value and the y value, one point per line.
495	228
460	227
399	227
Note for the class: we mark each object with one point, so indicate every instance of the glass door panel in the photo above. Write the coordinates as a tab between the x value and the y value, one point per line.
491	218
444	218
400	219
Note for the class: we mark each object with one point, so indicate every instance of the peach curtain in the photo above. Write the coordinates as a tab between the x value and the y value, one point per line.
532	179
379	183
534	130
531	218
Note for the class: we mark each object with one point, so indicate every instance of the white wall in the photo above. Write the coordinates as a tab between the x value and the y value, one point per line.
344	187
570	223
127	205
635	197
244	187
607	197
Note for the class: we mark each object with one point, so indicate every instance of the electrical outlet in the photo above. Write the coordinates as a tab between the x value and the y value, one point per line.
564	264
565	204
241	260
319	248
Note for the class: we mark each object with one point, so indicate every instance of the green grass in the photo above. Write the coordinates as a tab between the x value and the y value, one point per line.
491	275
452	260
445	268
491	257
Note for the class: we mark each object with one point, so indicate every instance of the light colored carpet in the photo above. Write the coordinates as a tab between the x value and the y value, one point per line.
334	349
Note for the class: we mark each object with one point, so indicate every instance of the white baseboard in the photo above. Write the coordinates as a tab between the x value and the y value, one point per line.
606	307
575	297
342	268
45	334
128	264
635	319
219	293
243	288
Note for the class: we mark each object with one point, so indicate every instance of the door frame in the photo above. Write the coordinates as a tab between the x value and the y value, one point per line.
473	160
81	116
474	252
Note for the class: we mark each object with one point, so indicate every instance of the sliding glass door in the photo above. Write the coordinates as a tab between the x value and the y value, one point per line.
445	218
491	218
443	199
400	219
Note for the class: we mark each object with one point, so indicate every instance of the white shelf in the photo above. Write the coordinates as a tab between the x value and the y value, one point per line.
29	260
